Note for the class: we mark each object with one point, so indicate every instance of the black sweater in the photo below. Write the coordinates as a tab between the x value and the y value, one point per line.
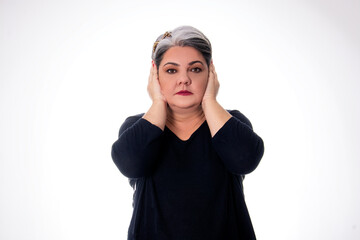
189	189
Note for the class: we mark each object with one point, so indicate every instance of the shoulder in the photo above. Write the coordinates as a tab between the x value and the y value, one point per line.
238	115
134	118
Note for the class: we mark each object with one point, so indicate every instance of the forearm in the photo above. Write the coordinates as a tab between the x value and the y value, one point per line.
157	114
216	116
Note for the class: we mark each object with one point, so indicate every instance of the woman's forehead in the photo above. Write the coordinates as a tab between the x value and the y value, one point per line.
183	55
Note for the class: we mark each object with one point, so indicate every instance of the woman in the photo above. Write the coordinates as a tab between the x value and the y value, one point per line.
186	157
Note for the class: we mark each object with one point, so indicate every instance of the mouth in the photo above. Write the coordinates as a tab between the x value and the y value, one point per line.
184	93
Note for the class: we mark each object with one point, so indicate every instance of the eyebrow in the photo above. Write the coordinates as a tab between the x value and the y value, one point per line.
176	64
171	63
197	61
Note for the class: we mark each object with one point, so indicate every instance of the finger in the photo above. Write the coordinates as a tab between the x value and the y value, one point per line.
151	72
149	78
212	65
155	72
213	68
212	74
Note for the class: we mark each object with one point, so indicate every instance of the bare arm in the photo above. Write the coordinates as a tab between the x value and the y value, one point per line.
157	112
216	116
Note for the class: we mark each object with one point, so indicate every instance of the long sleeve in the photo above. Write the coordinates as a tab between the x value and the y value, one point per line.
239	147
136	151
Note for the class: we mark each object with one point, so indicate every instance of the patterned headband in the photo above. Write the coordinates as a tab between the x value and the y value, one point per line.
167	34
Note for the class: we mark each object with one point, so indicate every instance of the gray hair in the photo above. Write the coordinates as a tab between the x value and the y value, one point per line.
184	36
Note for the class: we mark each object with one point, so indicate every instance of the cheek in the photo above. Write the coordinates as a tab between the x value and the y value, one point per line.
166	84
202	83
162	80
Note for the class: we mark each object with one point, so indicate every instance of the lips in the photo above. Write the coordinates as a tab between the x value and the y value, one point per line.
184	93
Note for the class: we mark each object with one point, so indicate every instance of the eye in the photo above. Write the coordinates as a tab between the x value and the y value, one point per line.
196	69
171	71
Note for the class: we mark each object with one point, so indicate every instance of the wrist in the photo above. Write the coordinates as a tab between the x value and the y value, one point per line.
157	114
206	102
158	101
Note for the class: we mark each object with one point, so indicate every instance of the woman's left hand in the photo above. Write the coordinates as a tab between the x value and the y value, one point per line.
212	85
216	116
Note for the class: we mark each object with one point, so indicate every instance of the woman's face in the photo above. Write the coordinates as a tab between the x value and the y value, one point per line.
183	76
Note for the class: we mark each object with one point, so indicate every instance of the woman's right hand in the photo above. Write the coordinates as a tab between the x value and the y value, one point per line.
154	88
157	112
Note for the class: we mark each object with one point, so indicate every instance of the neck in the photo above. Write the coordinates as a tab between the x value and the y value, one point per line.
182	120
184	116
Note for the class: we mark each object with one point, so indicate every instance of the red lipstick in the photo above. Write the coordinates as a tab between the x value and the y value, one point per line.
184	93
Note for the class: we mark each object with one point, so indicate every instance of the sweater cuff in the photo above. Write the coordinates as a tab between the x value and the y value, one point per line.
225	129
149	125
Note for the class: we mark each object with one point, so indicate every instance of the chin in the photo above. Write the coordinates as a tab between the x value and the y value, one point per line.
182	107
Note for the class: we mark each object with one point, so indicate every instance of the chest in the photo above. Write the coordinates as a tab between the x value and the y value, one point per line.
189	168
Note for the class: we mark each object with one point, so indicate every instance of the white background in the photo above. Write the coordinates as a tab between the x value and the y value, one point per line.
72	71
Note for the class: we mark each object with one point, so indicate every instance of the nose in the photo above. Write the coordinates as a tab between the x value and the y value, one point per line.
184	79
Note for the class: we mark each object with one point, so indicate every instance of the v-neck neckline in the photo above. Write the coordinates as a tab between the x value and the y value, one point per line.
191	136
